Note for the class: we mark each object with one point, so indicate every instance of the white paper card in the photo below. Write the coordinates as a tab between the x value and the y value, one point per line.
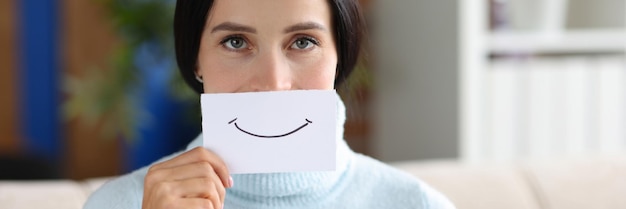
266	132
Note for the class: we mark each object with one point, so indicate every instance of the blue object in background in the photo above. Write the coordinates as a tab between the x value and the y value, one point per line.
39	79
165	128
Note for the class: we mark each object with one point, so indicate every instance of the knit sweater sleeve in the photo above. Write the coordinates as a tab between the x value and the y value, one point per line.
120	193
123	192
393	188
420	194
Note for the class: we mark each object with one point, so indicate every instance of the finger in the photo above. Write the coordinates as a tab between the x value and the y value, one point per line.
192	170
172	193
220	189
198	154
193	155
216	199
206	188
220	168
196	203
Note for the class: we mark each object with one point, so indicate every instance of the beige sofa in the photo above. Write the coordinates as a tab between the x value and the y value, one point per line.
556	184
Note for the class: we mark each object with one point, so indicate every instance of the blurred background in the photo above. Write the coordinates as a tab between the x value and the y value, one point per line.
90	87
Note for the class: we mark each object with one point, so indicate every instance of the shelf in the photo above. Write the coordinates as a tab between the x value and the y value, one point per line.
571	41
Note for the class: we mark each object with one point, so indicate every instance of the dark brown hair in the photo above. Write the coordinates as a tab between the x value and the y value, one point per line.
190	18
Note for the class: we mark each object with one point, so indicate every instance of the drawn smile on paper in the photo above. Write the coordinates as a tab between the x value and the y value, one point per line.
272	136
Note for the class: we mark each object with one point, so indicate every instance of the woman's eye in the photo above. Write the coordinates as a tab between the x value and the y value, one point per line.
303	43
235	43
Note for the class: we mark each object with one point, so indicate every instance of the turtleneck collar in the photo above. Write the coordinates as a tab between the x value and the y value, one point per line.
274	188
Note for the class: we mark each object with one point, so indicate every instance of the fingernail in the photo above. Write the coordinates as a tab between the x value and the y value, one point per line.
222	205
230	181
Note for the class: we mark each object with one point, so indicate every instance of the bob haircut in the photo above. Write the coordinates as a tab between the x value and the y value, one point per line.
191	15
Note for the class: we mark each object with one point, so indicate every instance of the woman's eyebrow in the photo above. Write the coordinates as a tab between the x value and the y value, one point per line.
304	26
231	26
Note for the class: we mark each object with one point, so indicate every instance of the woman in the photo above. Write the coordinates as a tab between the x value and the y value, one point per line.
253	45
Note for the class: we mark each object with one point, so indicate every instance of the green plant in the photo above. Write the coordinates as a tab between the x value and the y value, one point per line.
103	97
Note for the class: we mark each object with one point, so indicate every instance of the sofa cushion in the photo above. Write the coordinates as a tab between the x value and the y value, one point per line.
475	187
42	194
580	183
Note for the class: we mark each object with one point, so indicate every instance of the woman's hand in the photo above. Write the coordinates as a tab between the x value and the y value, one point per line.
194	179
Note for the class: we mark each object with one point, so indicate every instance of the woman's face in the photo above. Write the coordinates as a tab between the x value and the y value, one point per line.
272	45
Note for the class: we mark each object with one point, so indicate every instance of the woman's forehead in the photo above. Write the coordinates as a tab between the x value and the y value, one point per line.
269	13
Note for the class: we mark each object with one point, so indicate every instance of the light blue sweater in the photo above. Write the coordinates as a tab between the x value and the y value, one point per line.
359	182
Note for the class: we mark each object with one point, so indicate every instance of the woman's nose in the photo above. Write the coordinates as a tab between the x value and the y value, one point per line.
272	73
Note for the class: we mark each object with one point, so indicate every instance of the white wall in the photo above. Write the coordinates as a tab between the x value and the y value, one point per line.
415	51
596	14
